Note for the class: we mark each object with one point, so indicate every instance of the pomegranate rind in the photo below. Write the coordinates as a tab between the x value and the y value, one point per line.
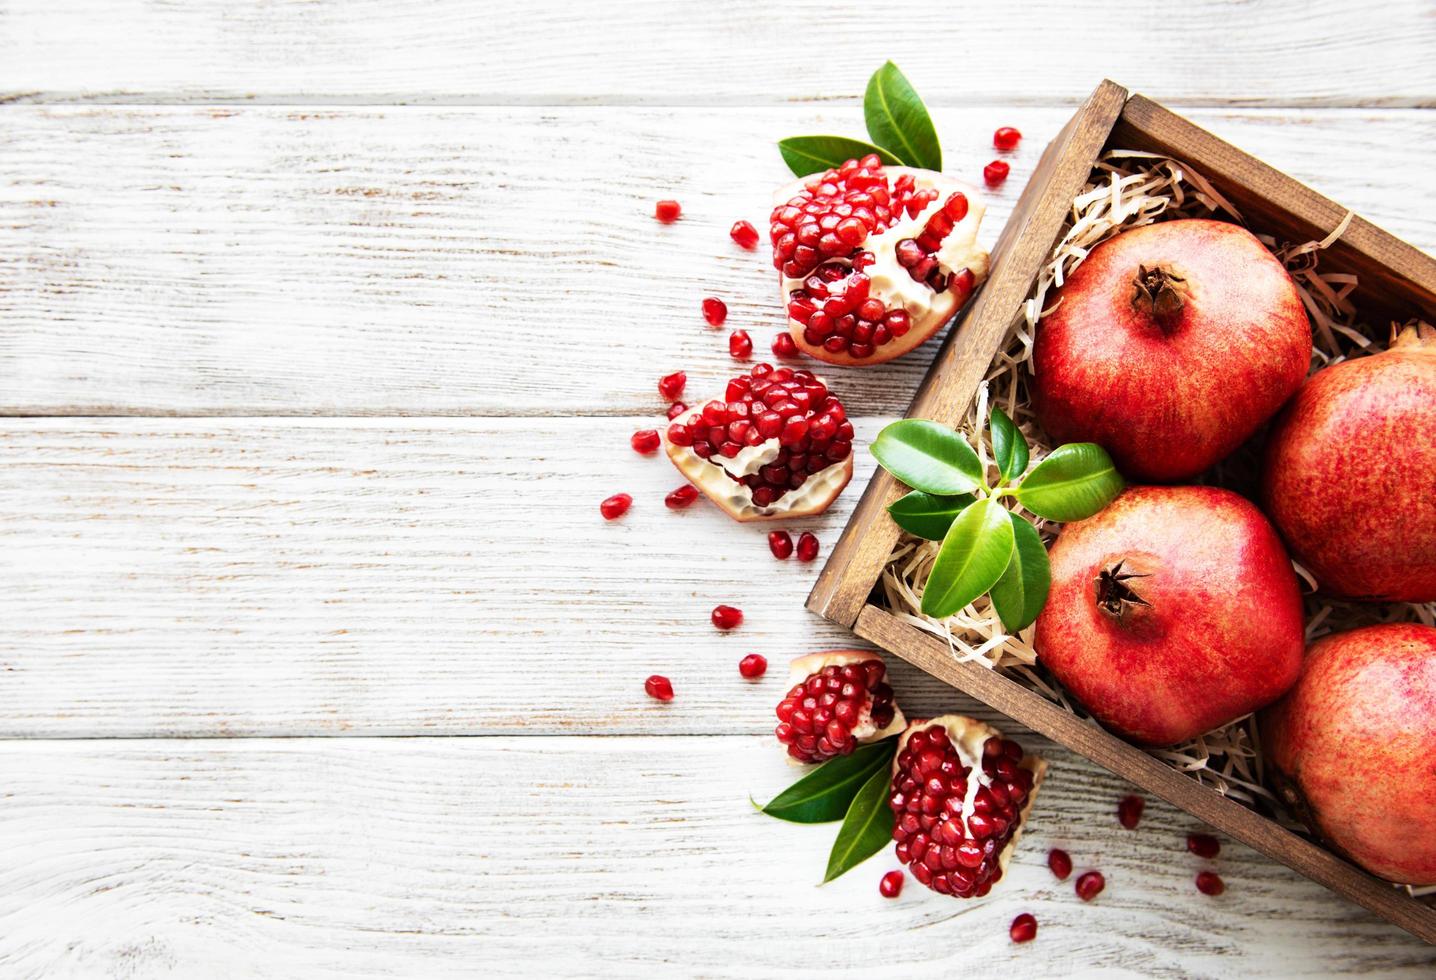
809	664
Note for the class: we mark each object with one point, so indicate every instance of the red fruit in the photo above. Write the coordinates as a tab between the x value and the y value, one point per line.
1006	138
1210	883
1170	344
645	441
1203	845
715	311
784	346
1129	811
780	544
1172	612
1348	477
744	234
727	617
1090	885
740	345
680	498
1060	863
778	444
832	229
753	666
670	386
676	409
667	211
616	506
836	701
996	172
659	688
1024	927
891	884
807	546
1353	743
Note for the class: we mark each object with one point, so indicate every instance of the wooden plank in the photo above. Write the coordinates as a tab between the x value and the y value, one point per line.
739	52
428	261
422	857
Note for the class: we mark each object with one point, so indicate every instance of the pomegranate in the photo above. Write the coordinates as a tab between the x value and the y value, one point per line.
659	688
1060	863
670	386
744	234
753	666
960	795
727	617
675	410
778	444
1089	885
681	497
1348	476
1353	746
836	701
1210	883
1204	845
1006	138
645	441
715	311
807	546
890	885
612	508
1169	346
1023	928
780	543
740	345
874	259
784	346
995	173
1129	811
1172	612
667	211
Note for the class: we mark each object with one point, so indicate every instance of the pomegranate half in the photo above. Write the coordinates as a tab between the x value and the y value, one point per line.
1350	474
1172	612
1354	747
778	444
874	260
1169	345
836	701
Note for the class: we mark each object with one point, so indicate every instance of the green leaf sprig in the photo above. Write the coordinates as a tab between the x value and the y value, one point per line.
898	125
987	548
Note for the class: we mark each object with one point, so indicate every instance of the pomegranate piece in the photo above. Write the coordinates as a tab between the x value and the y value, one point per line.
1129	811
675	410
682	497
740	345
715	311
1203	845
784	345
744	234
616	506
780	544
645	441
1060	862
1090	885
1006	138
727	617
807	546
659	688
1210	883
670	386
667	211
960	794
836	701
1023	928
996	172
753	666
890	885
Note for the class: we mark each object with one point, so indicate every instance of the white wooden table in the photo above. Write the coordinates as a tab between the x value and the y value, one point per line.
323	327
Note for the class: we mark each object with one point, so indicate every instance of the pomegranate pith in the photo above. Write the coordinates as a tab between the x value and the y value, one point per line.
1090	885
780	544
667	211
1060	862
727	617
740	345
753	666
659	688
645	441
670	386
1006	138
1129	811
807	546
715	311
682	497
996	172
744	234
1204	845
676	409
835	702
1210	883
1023	928
890	886
616	506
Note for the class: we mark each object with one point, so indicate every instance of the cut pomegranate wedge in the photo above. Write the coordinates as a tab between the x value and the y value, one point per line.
836	701
778	444
874	260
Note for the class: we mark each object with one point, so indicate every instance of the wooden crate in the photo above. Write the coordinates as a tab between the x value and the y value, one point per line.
1397	281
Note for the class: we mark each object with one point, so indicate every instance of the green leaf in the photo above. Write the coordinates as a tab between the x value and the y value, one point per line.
898	120
1008	444
1022	591
926	514
823	795
928	456
972	558
1074	482
806	155
867	828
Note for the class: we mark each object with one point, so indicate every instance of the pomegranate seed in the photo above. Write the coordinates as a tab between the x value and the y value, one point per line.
807	546
645	441
1129	811
1060	863
1090	885
659	688
780	544
744	234
995	172
890	885
727	617
667	211
670	386
615	507
740	345
785	346
676	409
753	666
715	311
1006	138
681	498
1204	845
1210	883
1024	928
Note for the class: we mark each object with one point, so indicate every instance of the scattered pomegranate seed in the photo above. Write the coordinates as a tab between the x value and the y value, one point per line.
670	386
676	409
780	544
1210	883
1060	863
1090	885
807	546
995	172
744	234
1129	811
740	345
1204	845
1024	928
785	346
1006	138
615	507
727	617
681	498
667	211
890	885
645	441
753	666
715	311
659	688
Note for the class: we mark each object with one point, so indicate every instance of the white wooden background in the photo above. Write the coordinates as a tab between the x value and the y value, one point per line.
323	326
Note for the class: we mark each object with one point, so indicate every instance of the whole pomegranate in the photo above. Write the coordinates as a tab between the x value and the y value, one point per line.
778	444
873	259
1354	747
1170	344
1350	474
1172	612
836	701
960	795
